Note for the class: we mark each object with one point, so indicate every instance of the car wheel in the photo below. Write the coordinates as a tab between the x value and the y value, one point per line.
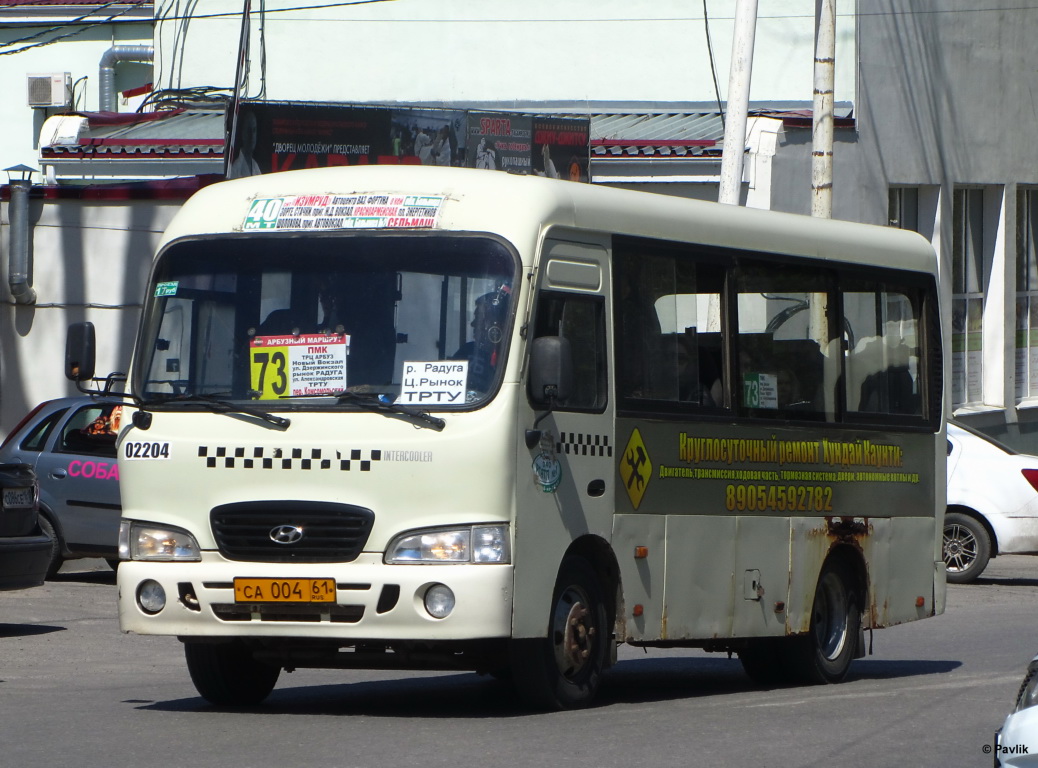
967	547
226	674
563	671
55	547
825	653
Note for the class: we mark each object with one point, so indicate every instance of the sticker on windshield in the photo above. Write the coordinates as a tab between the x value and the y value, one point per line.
322	212
166	289
436	382
760	390
291	366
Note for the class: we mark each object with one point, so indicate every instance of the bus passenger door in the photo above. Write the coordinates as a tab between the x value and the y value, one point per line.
566	452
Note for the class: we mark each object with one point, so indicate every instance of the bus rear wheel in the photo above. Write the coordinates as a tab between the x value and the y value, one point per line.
825	653
227	675
563	670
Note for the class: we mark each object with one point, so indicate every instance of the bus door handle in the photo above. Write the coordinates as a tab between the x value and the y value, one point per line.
596	488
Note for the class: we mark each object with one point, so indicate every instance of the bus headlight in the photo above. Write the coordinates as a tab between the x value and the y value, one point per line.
144	541
473	544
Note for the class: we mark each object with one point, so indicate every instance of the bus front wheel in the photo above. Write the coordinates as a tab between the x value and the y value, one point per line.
825	653
563	670
225	674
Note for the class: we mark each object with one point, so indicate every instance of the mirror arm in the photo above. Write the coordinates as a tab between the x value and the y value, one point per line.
533	436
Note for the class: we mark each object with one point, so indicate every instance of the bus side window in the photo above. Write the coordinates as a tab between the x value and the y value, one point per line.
580	319
668	325
788	363
882	360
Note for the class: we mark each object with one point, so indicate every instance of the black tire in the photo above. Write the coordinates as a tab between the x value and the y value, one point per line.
227	675
967	547
563	670
825	653
55	547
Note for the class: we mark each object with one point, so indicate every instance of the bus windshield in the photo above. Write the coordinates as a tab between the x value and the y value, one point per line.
405	319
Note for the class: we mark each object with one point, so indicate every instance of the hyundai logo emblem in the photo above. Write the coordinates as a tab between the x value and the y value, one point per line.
286	534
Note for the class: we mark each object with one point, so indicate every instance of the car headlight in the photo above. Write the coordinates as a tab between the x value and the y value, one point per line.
146	541
1028	696
472	544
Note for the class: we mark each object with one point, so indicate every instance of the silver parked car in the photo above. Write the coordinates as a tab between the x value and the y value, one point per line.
70	442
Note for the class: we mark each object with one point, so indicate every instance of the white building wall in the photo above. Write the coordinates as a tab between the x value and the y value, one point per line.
90	261
495	50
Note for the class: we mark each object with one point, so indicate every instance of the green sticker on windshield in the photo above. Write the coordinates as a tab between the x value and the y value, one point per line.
167	289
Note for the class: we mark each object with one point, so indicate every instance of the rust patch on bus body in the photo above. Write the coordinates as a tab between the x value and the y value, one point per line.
833	532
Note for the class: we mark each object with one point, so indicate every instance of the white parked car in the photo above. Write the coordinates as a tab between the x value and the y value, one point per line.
1016	742
992	503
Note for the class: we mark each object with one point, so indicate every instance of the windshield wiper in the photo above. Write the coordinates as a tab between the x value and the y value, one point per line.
217	405
370	401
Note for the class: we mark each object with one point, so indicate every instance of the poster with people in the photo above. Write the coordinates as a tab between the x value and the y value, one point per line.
428	136
284	136
500	142
561	148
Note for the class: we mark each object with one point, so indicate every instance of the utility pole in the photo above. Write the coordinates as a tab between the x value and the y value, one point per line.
734	147
241	75
822	118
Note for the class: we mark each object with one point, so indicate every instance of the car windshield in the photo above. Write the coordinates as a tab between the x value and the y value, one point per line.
412	320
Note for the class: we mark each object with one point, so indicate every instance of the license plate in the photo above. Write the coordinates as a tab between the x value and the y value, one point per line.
17	497
284	590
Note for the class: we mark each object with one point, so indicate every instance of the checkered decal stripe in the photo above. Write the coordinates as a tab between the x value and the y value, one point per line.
577	444
294	458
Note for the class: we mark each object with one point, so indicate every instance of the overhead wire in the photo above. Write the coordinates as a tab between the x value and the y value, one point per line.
72	33
713	67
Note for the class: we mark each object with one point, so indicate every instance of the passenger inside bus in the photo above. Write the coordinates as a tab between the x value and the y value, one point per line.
488	320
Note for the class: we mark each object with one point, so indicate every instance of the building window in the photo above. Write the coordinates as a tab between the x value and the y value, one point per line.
903	208
969	276
1027	293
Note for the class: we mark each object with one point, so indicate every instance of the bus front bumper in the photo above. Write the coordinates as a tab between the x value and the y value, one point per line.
373	601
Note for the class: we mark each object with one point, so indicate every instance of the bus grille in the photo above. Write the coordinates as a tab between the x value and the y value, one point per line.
269	531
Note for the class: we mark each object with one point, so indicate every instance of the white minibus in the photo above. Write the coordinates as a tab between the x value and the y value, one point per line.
436	418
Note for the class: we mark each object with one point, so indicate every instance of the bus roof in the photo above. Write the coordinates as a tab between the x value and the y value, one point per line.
519	208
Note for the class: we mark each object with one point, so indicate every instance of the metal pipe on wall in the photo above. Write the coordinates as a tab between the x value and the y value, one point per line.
106	90
19	275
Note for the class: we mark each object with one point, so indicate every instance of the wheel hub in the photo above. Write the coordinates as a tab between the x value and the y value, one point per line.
574	635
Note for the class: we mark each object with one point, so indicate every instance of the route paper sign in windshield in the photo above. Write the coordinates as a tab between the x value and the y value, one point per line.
290	366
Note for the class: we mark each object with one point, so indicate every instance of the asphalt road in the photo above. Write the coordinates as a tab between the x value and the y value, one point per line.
74	691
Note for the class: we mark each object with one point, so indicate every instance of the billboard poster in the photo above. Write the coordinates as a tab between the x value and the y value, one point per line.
428	136
500	142
561	147
279	136
273	136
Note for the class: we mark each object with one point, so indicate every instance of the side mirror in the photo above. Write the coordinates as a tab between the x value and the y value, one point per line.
79	352
551	370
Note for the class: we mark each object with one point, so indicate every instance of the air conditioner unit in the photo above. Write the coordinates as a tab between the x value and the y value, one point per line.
49	90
